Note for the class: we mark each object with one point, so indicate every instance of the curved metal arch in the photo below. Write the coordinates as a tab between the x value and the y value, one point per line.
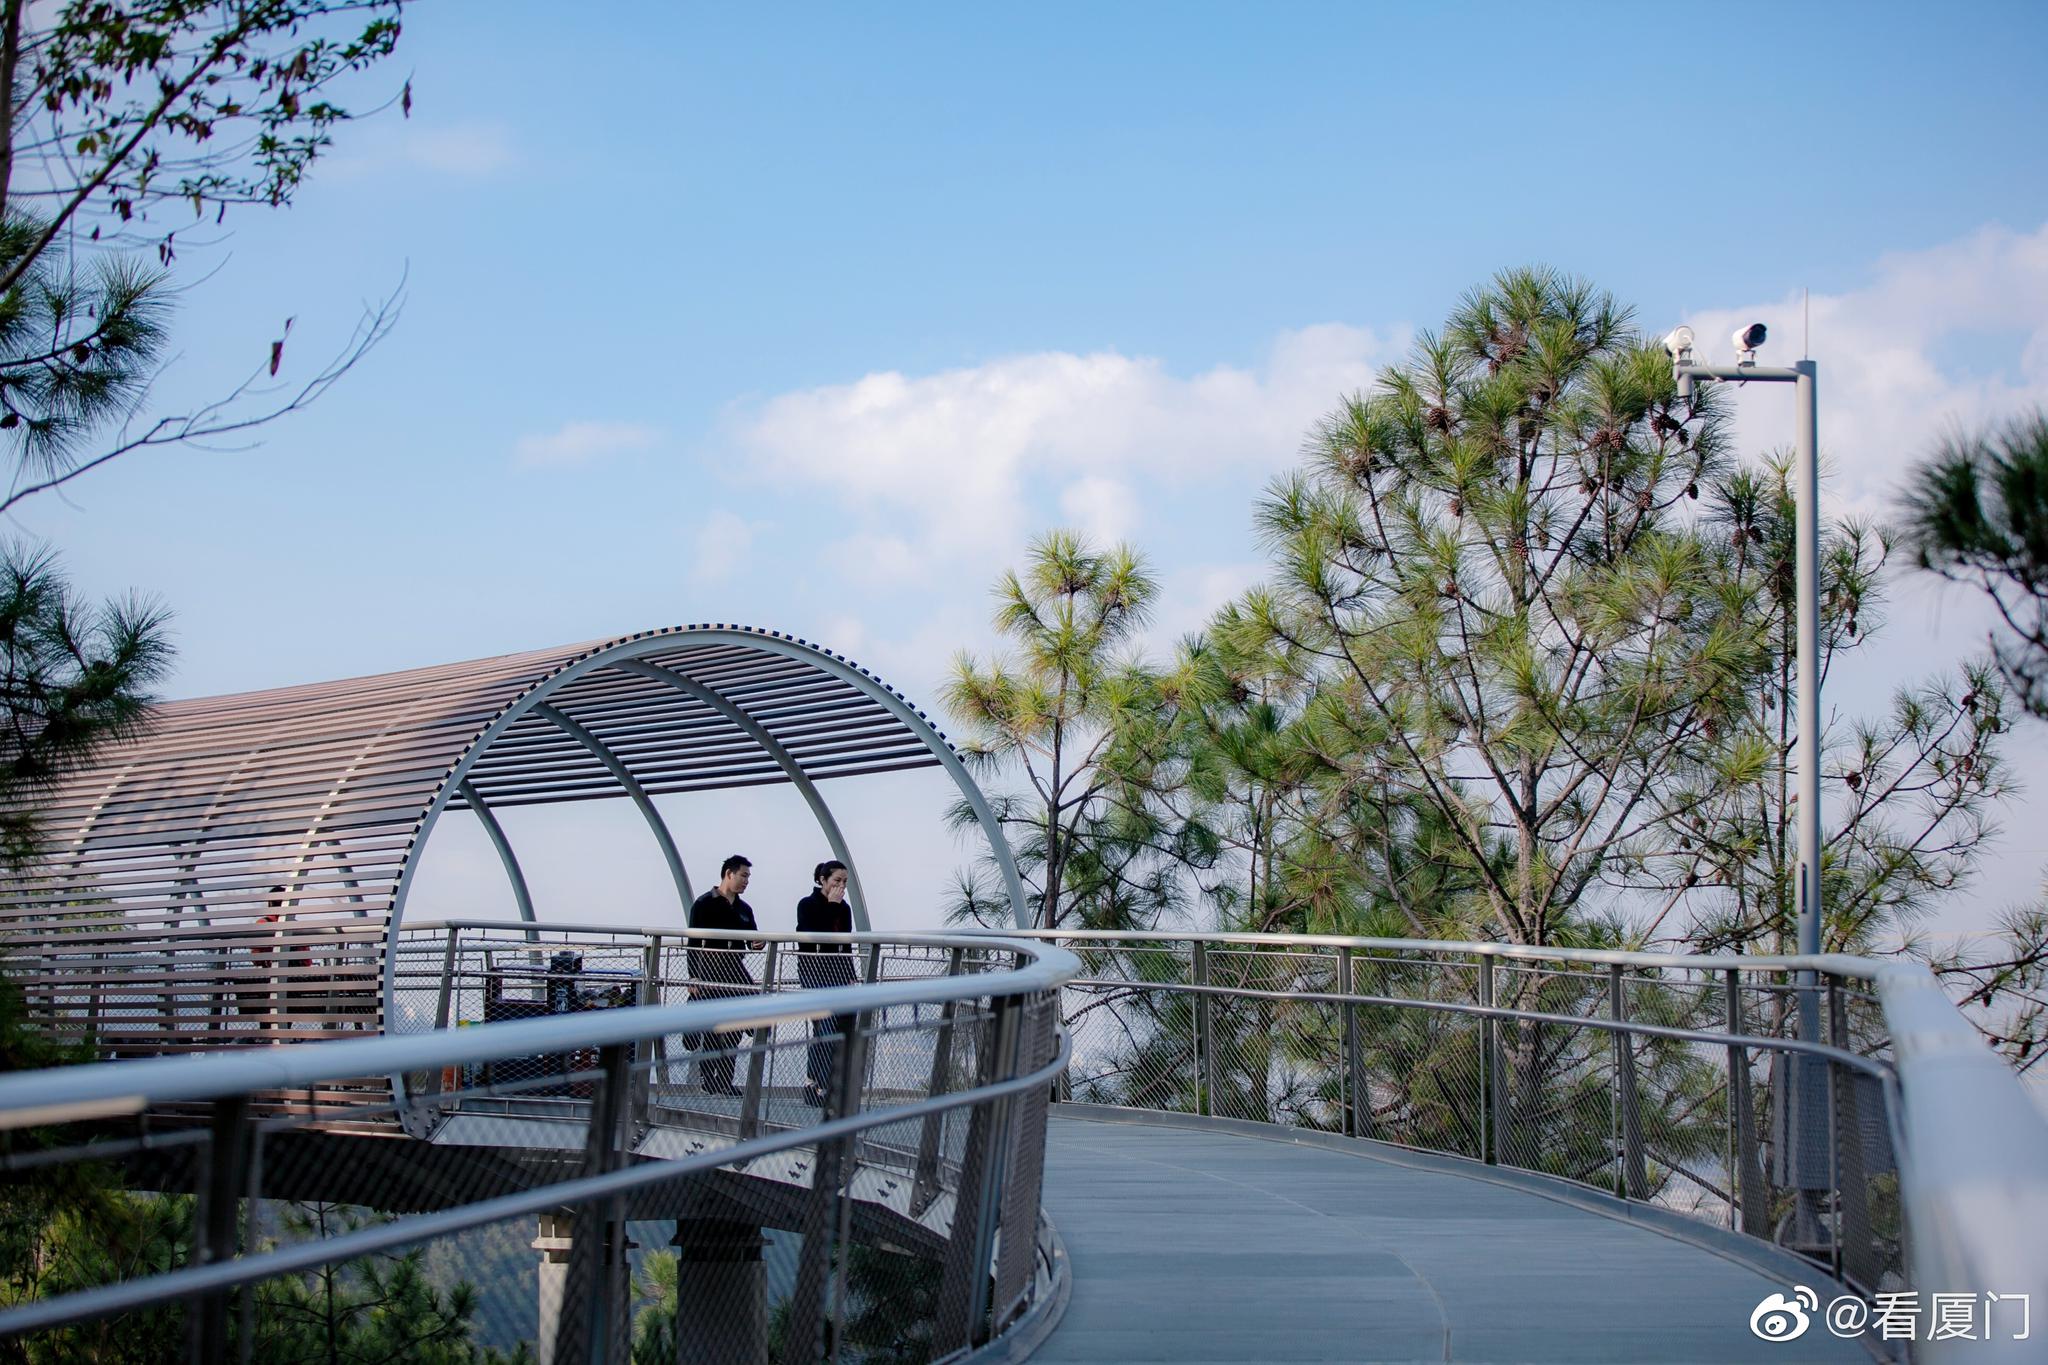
657	642
784	760
624	777
521	896
915	721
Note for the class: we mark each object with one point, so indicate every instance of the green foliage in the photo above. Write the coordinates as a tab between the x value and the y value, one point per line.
381	1307
655	1286
2002	982
1091	730
75	676
120	106
1977	513
1499	630
1910	791
77	1231
77	345
116	114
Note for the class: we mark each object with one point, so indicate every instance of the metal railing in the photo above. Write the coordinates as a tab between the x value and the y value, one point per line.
1896	1152
624	1158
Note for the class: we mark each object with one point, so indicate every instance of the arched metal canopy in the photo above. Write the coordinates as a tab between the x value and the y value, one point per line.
262	845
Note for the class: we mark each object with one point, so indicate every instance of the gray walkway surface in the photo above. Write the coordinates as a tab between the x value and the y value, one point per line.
1198	1245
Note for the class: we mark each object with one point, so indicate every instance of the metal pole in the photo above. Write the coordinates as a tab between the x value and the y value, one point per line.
1807	1138
1347	1081
1810	1140
1205	1040
597	1259
1807	531
1747	1197
1489	1059
1632	1179
214	1225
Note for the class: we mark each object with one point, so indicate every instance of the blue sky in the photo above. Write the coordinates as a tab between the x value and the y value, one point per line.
810	316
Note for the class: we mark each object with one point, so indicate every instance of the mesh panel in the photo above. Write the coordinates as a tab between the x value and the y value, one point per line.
735	1232
1270	1033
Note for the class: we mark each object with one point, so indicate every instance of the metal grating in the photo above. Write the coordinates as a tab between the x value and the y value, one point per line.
230	877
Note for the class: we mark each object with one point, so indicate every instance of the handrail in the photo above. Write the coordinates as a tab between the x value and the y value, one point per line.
216	1276
108	1089
618	1077
1835	964
1597	1023
1971	1146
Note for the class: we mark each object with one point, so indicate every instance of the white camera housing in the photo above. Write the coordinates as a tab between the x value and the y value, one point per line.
1678	341
1747	339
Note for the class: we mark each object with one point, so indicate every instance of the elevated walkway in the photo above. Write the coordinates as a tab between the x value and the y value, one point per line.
1197	1244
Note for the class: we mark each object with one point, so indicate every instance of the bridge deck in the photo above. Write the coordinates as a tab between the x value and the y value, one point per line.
1193	1244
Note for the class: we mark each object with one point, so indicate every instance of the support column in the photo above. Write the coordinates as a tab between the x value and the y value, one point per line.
721	1293
556	1234
555	1240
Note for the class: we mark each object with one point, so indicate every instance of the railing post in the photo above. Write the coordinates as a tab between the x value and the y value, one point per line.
1745	1167
769	967
443	1006
214	1226
1350	1084
925	1185
245	1297
1205	1035
1632	1178
1855	1253
760	1041
821	1265
964	1281
650	972
1489	1061
595	1324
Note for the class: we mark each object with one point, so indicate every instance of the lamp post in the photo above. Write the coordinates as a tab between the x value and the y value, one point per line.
1809	1146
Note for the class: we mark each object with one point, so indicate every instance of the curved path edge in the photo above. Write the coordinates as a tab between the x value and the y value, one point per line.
1029	1331
1222	1241
1730	1245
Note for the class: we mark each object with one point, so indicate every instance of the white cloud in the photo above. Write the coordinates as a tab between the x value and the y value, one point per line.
1953	336
1190	594
874	560
1103	509
1891	380
474	149
723	541
575	443
466	149
959	455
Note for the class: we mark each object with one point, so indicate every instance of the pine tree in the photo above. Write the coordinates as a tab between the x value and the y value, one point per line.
1090	729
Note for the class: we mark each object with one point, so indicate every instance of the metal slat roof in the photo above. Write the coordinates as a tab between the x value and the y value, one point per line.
266	816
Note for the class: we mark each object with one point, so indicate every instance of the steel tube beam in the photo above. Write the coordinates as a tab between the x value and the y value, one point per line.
631	785
784	760
915	722
521	896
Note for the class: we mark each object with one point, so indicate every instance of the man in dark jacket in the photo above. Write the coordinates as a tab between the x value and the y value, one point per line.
718	967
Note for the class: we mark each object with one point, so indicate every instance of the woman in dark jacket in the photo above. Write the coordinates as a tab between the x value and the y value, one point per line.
820	966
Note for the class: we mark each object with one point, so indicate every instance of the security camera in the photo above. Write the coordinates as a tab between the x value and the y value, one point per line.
1678	341
1747	339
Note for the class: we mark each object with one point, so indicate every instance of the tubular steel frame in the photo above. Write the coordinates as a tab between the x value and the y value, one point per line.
1971	1148
994	1172
215	879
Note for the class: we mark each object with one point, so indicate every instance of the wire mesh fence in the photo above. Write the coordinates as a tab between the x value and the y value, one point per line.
682	1171
1699	1089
